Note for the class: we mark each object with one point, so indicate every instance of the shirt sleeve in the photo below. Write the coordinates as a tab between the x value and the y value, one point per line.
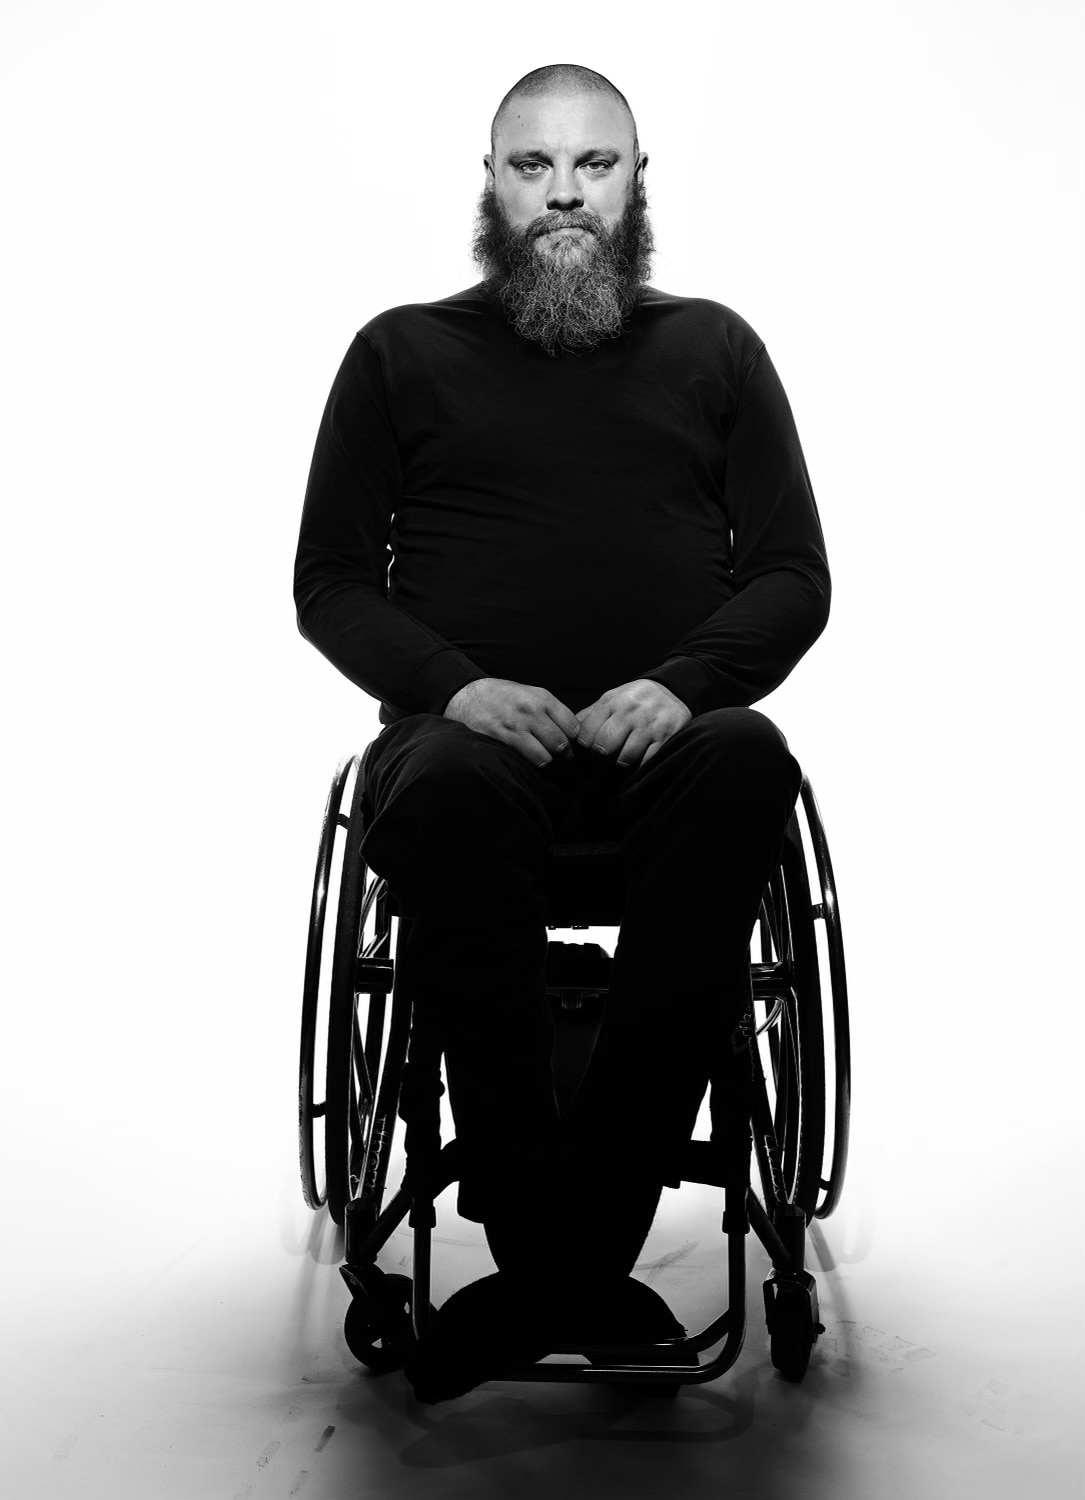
781	576
343	555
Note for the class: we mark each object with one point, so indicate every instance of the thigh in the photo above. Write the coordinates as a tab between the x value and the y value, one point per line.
454	818
743	741
726	771
704	825
426	761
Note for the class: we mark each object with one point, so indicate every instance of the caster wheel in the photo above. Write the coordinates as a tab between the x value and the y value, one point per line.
790	1354
377	1326
791	1305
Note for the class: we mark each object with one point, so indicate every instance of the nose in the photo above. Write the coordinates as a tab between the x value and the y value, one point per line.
564	191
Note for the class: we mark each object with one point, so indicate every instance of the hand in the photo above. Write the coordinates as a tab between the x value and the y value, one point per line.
632	721
529	719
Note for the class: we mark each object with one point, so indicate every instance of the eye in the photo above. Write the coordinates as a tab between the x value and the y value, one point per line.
524	166
605	165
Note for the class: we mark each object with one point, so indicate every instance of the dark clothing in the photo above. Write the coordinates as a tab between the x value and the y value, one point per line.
477	508
462	826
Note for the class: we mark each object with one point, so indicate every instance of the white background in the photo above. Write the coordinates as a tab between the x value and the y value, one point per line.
203	202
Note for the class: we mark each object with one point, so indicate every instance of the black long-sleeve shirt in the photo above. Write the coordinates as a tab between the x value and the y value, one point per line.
477	508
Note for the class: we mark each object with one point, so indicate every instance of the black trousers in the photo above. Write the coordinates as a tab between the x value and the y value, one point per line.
461	826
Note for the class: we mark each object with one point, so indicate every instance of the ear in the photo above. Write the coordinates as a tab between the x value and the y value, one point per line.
638	170
488	163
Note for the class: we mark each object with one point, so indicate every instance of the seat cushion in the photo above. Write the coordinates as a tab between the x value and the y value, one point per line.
587	885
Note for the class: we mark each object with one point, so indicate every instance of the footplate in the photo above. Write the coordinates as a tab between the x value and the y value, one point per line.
577	973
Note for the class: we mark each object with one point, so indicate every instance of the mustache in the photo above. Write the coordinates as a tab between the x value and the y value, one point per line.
572	220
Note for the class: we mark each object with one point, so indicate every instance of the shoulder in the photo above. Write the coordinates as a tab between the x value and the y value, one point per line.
702	321
415	321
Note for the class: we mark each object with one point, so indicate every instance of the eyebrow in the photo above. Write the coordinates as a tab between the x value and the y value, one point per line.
539	155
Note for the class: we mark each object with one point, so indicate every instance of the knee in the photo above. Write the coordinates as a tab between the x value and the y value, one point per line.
745	747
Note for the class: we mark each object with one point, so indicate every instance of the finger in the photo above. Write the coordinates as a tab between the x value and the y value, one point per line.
651	750
636	748
518	739
540	739
564	718
591	721
553	739
612	736
533	749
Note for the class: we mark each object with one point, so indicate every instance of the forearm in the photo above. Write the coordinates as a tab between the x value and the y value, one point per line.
341	567
382	649
747	648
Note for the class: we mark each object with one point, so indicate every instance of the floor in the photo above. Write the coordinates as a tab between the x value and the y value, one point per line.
166	1355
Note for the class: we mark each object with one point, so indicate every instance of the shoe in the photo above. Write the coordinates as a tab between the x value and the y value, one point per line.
483	1328
611	1313
500	1323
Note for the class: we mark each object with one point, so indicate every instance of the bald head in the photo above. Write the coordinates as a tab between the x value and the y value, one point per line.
568	79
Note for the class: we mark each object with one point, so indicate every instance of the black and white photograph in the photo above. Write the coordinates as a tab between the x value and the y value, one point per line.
543	783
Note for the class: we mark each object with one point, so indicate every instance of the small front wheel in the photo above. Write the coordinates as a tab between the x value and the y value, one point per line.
377	1326
791	1309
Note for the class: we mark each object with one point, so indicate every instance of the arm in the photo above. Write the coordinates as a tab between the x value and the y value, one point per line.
781	602
341	569
748	646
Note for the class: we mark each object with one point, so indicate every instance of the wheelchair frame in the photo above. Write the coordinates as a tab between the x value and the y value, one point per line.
365	1030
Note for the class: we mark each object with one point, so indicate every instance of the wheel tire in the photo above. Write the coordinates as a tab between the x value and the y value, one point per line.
796	1044
790	1356
356	1026
377	1326
314	1008
832	1181
791	1338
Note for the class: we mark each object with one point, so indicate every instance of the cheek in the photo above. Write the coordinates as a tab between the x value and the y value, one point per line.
610	203
522	204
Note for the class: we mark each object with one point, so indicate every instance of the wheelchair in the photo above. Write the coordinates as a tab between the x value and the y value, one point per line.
792	1043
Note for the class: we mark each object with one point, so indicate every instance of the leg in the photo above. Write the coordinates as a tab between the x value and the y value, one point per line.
705	819
460	825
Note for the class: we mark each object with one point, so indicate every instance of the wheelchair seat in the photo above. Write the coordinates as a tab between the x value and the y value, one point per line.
586	884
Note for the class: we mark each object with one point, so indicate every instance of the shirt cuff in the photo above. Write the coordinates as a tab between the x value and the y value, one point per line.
688	679
439	678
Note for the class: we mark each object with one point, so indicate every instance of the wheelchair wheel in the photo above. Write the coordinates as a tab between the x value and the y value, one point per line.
827	913
367	1034
792	1312
377	1326
314	1008
796	1040
792	984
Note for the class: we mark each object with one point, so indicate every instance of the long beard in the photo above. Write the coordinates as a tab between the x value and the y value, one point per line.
558	297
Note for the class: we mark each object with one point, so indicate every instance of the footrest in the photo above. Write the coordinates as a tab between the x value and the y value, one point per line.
576	972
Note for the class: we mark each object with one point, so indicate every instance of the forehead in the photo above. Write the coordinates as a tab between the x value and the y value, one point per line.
564	122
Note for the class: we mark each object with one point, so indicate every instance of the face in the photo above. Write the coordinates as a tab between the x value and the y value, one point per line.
562	232
562	168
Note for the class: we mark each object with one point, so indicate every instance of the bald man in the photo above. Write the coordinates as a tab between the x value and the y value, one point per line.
560	525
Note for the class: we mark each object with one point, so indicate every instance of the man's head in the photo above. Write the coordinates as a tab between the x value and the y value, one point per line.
562	233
